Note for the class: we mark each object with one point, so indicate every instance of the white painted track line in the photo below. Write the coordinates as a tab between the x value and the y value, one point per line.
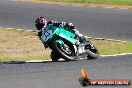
38	61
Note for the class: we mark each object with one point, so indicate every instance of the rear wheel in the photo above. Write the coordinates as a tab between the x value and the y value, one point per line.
66	50
92	52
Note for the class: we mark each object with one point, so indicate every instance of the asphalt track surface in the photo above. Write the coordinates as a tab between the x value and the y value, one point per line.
64	74
94	22
101	22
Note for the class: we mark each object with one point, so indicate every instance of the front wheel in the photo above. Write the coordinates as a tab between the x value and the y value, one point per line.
66	51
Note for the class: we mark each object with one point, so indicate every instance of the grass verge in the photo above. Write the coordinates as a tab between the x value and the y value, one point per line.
20	46
115	2
100	3
23	45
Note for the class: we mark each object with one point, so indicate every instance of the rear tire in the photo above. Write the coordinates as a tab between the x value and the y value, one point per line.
93	53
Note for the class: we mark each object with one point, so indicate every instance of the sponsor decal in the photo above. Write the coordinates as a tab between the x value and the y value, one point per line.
86	81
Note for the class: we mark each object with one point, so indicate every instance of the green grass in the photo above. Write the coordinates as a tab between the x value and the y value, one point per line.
22	45
112	47
115	2
41	57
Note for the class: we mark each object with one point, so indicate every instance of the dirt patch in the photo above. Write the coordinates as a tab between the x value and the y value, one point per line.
15	44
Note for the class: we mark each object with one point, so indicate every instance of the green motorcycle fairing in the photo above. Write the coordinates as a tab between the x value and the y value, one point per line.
51	31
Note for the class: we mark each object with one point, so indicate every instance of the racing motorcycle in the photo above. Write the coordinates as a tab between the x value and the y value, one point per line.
66	45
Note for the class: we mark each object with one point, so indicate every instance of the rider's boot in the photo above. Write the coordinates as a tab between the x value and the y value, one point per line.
80	36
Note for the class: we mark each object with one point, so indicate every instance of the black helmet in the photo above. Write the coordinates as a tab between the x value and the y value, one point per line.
40	23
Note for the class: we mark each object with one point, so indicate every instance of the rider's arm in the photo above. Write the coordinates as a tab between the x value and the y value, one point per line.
56	24
40	34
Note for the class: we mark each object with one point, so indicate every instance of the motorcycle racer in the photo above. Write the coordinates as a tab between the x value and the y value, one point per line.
64	40
41	23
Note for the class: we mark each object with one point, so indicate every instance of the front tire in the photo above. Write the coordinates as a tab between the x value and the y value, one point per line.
64	54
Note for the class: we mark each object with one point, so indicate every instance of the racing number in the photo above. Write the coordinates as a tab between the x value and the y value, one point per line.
47	34
81	49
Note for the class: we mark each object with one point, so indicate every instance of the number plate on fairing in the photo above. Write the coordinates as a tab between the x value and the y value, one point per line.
81	49
47	34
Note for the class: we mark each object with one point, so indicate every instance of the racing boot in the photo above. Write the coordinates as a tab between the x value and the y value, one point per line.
81	37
